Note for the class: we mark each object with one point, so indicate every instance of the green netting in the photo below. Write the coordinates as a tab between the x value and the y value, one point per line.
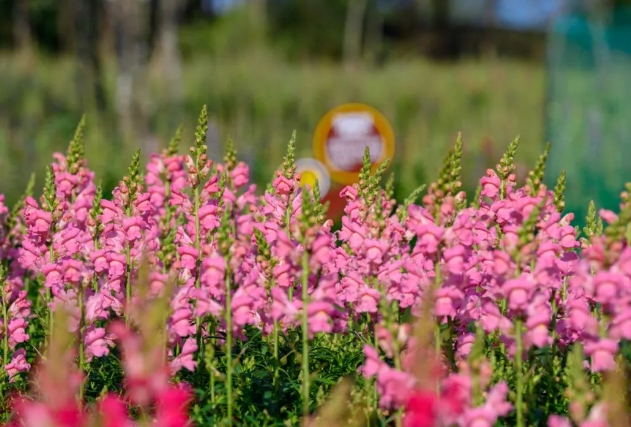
588	110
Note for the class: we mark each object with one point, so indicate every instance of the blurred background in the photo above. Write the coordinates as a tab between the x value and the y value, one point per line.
554	70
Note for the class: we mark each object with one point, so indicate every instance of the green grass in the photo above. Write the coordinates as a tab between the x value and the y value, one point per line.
258	99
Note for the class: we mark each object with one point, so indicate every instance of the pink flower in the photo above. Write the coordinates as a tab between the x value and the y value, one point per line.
491	184
208	217
97	343
133	228
40	221
558	421
482	416
18	364
242	312
111	212
117	265
182	322
282	185
188	256
368	300
373	364
349	193
319	313
53	275
394	387
17	332
620	327
114	412
465	344
518	293
73	270
607	286
448	300
429	237
186	357
99	259
282	275
455	259
493	320
580	317
374	250
172	408
204	303
420	410
321	252
66	182
214	270
537	325
607	215
602	354
240	175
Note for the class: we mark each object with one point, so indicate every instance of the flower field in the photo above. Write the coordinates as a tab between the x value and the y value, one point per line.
188	297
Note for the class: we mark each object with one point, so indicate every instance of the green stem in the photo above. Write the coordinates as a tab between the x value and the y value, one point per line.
229	347
82	369
128	278
375	394
305	334
50	314
397	364
198	324
477	393
213	331
277	362
519	374
5	336
197	233
49	299
437	283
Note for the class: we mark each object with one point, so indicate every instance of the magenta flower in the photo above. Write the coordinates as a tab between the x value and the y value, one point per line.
282	185
114	411
538	333
117	265
558	421
491	184
607	285
208	217
319	313
375	250
464	345
448	300
172	408
186	357
518	292
18	364
367	300
602	354
240	175
97	343
133	228
17	332
188	257
394	387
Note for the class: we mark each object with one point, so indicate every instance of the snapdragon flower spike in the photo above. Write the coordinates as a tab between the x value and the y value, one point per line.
510	257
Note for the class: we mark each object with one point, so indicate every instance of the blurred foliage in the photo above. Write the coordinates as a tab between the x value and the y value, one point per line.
263	75
258	99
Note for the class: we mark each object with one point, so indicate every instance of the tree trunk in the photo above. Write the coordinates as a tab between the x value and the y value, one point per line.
374	34
440	14
22	26
354	31
167	55
86	45
130	21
